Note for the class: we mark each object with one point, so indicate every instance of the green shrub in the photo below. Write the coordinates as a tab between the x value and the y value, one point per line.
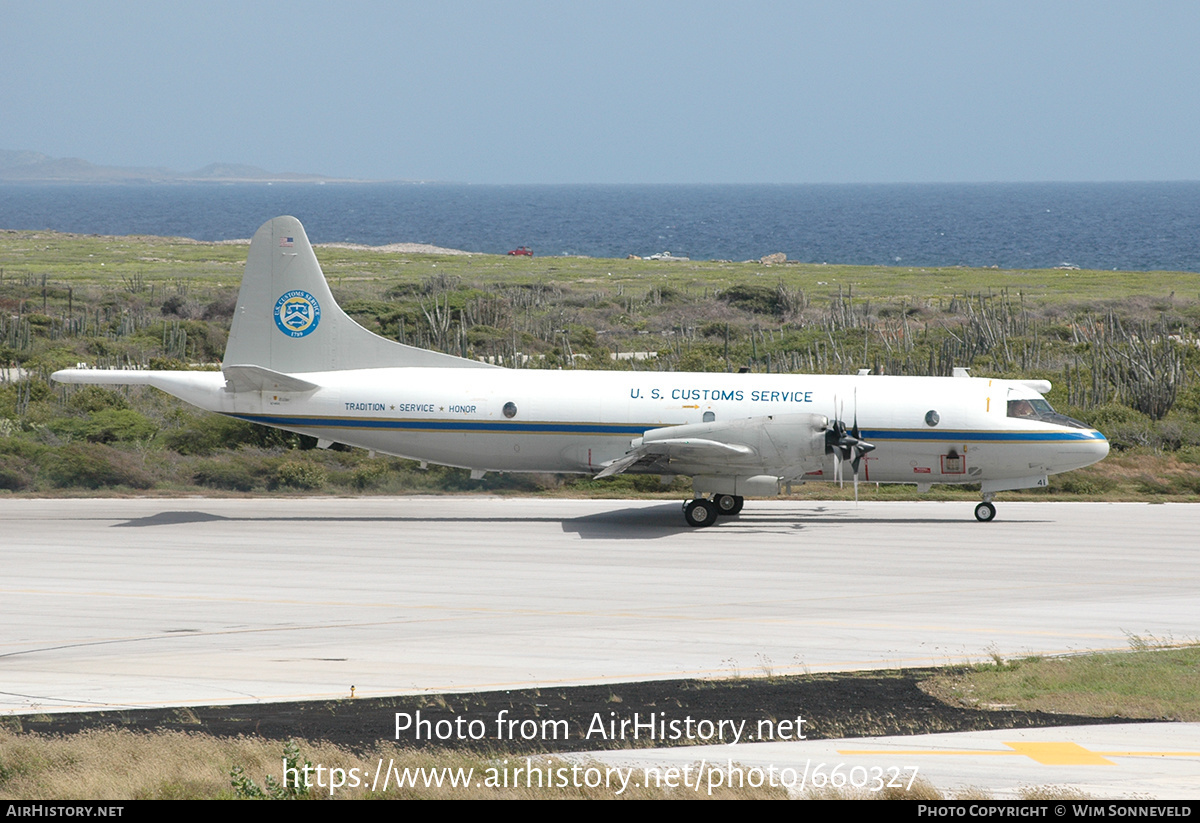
203	434
296	788
757	298
1081	483
106	426
90	399
23	392
14	473
1189	454
1148	484
230	475
21	446
1176	432
369	474
299	475
94	466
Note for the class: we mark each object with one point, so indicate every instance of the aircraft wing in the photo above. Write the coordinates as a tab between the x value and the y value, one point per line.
773	444
693	450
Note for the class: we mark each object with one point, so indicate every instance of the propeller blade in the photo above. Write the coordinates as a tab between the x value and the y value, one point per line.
854	431
845	445
859	449
855	465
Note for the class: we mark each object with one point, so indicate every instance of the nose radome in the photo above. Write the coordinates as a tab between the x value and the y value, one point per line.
1093	450
1080	453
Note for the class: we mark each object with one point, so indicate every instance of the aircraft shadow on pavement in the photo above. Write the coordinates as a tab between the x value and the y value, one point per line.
641	523
178	518
634	523
666	520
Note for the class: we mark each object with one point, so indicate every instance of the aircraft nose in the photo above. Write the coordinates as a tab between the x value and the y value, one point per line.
1084	451
1094	449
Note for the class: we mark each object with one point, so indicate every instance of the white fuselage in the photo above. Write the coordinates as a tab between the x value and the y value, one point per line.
578	421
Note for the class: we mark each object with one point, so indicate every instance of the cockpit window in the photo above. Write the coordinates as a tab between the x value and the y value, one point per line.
1031	409
1038	409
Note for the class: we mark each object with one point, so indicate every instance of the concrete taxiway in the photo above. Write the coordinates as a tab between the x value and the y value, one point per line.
128	603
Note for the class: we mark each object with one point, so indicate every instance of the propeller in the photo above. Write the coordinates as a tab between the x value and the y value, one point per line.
846	444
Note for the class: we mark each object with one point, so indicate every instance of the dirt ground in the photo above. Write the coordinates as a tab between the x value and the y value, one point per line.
582	718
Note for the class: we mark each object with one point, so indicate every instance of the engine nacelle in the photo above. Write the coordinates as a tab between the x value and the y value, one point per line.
779	445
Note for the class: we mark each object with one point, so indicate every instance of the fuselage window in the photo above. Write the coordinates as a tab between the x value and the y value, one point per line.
510	409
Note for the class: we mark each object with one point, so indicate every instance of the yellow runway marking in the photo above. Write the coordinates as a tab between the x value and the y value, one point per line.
1060	753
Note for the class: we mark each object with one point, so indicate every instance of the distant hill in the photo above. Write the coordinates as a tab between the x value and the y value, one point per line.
34	167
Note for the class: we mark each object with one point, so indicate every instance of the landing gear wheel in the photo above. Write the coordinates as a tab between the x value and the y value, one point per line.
700	512
985	512
729	504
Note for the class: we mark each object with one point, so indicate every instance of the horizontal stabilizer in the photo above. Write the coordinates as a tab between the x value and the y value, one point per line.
201	388
104	377
259	378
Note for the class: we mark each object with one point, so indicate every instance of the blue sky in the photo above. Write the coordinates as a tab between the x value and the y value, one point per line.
613	92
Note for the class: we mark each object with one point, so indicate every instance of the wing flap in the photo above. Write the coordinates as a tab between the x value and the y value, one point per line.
258	378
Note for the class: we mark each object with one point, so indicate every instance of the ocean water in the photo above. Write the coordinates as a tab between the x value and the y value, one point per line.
1129	226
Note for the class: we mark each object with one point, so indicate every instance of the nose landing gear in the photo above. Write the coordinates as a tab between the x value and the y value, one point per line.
985	512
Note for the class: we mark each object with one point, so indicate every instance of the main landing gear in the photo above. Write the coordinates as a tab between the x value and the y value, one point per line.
985	512
728	504
704	512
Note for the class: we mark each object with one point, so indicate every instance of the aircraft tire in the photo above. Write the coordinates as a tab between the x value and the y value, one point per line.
700	512
985	512
729	504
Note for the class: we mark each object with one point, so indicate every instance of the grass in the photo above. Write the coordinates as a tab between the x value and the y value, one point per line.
75	260
1154	681
113	764
118	765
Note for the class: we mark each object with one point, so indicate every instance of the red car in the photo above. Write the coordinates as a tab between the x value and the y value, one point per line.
522	251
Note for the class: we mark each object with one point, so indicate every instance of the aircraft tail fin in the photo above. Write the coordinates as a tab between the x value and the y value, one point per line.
287	321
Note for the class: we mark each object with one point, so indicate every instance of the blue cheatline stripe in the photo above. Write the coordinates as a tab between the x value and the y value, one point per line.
464	426
1065	436
637	429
